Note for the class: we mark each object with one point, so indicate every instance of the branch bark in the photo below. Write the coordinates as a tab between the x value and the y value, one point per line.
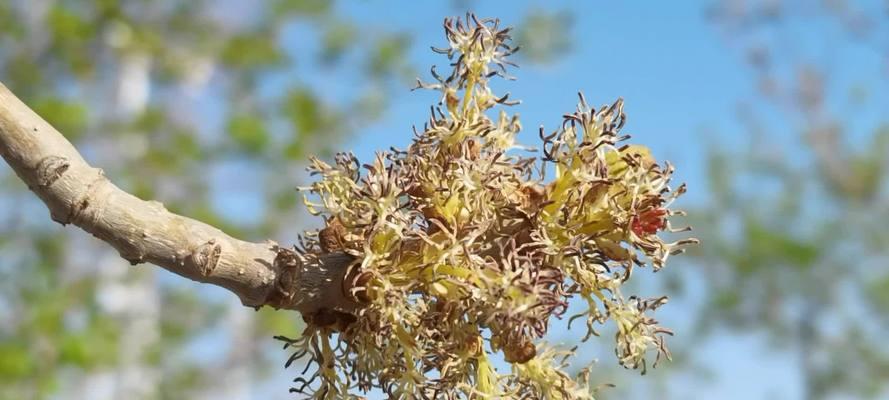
144	231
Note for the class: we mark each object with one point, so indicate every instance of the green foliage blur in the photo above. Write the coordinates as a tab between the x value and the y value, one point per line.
799	258
171	99
794	230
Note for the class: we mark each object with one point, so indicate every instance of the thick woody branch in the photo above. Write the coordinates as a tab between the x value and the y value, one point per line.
144	231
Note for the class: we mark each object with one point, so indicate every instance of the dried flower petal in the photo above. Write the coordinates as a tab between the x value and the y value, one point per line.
459	242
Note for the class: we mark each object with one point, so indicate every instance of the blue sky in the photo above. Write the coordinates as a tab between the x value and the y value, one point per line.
668	64
681	78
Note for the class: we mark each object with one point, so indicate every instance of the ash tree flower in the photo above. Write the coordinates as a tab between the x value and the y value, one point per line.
463	249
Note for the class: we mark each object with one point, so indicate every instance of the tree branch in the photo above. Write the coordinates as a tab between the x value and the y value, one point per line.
144	231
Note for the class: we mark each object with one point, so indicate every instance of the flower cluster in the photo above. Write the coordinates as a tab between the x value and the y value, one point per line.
465	249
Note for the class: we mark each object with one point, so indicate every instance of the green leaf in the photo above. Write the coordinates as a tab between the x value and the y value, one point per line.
388	55
248	132
544	35
281	323
301	7
71	34
9	24
152	119
336	41
15	361
252	51
304	111
69	26
878	292
767	247
69	117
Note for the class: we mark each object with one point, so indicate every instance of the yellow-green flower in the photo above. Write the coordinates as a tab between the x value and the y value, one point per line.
465	249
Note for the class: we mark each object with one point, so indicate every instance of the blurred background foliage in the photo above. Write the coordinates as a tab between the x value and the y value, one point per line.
204	105
200	104
796	241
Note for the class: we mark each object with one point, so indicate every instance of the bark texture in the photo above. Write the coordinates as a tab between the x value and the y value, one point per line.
145	231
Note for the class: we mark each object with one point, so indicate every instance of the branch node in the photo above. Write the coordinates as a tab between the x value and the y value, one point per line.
181	256
134	260
206	256
50	169
286	264
56	218
89	195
